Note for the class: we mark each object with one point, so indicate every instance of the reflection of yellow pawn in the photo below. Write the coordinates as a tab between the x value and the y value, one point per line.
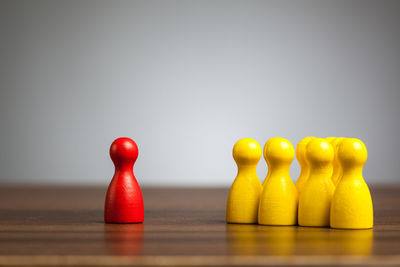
278	201
352	204
304	165
276	240
354	242
316	196
337	167
243	239
244	196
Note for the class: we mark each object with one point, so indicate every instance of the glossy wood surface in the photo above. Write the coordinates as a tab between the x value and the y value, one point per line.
182	226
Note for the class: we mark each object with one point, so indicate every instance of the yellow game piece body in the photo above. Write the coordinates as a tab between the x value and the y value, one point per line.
303	162
244	195
316	196
337	166
352	204
278	201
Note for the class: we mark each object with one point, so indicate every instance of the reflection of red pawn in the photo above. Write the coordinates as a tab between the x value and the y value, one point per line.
124	201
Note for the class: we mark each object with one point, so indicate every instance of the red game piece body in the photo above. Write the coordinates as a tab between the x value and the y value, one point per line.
124	201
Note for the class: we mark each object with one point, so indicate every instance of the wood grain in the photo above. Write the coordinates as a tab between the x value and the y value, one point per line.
49	226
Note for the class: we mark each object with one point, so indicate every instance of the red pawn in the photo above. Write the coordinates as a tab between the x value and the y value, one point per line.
124	201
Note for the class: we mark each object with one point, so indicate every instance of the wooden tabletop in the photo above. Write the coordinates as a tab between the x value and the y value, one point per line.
186	227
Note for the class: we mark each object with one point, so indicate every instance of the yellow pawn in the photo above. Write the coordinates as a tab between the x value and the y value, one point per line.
315	199
278	201
337	167
244	195
304	165
330	139
352	204
268	163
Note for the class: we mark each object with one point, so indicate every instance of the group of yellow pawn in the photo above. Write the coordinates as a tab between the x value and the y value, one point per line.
330	190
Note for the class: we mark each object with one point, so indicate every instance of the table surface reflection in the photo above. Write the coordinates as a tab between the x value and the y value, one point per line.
183	226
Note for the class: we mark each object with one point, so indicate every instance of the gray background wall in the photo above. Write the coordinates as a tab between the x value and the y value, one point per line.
187	79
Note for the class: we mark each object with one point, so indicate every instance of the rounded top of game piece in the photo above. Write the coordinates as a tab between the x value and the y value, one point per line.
336	141
330	139
352	151
301	149
246	151
335	144
278	149
319	152
124	150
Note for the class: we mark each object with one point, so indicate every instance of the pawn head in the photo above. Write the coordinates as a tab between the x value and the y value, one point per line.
335	144
278	150
301	150
319	152
246	151
352	152
124	150
330	139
